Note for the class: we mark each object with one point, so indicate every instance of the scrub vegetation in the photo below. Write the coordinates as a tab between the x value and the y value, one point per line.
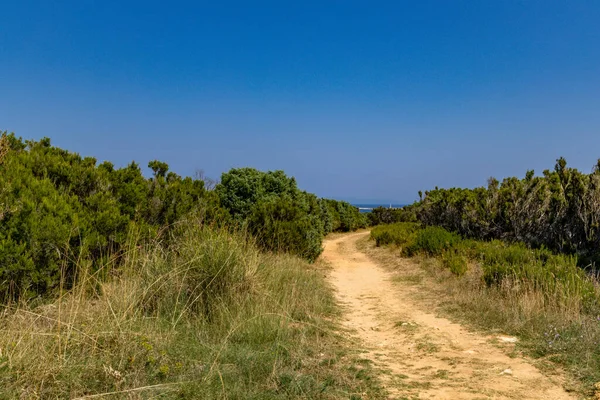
59	210
559	210
115	285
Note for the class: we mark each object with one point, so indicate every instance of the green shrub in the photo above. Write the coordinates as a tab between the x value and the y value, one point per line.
341	216
457	264
556	275
282	225
383	238
282	217
241	188
433	241
400	234
57	207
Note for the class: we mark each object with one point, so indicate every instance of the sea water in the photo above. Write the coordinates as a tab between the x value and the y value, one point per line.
364	208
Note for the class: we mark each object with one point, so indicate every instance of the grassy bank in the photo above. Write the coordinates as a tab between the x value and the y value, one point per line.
209	317
541	297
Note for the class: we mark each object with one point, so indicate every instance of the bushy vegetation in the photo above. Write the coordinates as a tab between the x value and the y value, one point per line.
341	216
113	284
384	215
559	211
433	241
557	275
412	238
455	263
280	224
281	216
209	316
399	234
59	210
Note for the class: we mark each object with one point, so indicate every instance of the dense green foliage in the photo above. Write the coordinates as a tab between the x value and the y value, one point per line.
559	210
341	216
242	188
282	217
281	224
414	239
399	234
59	210
433	241
555	275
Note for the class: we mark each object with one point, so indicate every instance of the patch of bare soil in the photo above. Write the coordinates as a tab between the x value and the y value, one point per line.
423	356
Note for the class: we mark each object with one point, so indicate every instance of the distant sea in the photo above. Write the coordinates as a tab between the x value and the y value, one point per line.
364	208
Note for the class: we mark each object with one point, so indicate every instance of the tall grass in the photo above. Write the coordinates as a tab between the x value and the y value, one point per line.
212	317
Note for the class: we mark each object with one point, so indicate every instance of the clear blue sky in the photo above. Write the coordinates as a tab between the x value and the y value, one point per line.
358	100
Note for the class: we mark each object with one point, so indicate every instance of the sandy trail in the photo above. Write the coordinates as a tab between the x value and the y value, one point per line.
425	356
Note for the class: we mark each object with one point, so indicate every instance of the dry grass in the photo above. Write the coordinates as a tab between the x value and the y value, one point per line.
210	318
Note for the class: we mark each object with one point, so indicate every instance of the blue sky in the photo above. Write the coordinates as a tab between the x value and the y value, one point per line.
367	101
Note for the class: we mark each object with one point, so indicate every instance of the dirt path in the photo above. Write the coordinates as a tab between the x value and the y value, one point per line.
425	356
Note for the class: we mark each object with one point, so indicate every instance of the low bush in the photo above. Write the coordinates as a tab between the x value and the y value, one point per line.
399	234
557	276
281	225
456	263
433	241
